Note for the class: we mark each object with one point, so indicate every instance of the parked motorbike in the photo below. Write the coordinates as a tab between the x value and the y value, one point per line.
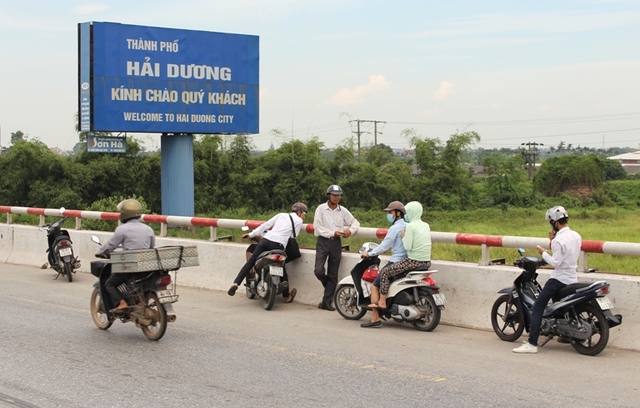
580	313
150	296
265	278
414	297
60	248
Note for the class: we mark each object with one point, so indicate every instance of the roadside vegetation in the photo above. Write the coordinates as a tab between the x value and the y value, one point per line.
233	181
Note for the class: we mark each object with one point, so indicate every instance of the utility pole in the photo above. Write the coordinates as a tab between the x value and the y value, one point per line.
375	131
532	153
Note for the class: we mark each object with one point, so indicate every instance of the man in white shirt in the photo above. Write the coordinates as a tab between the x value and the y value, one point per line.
331	221
278	231
565	245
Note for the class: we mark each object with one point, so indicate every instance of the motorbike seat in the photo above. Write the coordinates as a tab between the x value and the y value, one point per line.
569	289
261	260
273	251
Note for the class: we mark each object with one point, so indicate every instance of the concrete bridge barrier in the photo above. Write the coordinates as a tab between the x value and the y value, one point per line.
470	289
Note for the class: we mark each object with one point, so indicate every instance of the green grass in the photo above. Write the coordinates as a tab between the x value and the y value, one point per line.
600	224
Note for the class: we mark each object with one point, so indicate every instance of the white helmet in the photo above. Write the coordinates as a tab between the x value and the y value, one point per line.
367	247
556	213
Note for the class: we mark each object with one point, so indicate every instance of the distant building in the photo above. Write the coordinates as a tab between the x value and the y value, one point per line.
630	161
56	150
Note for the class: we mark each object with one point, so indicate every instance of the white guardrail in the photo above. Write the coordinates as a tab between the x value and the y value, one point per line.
485	241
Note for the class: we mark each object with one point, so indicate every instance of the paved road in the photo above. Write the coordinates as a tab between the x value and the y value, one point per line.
229	352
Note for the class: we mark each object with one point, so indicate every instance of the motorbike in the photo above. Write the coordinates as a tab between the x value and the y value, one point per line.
150	296
414	297
60	254
579	314
265	278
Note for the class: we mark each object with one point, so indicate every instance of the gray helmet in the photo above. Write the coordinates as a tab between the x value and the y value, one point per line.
396	205
129	209
299	207
334	189
556	213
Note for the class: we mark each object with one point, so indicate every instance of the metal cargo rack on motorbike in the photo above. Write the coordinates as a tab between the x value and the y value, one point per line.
166	258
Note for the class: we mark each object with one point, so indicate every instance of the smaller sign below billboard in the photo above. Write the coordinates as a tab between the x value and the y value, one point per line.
106	144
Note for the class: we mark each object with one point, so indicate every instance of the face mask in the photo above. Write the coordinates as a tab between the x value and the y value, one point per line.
390	218
406	218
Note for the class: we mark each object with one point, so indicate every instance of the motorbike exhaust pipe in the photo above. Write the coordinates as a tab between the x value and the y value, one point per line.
171	317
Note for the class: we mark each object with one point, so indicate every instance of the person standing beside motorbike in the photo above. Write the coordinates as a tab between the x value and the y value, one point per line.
416	239
278	231
565	245
331	222
132	234
393	240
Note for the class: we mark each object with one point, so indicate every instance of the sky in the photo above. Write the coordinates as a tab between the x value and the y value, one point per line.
514	72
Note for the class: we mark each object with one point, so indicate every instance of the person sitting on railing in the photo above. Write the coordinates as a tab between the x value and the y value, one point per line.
132	234
278	231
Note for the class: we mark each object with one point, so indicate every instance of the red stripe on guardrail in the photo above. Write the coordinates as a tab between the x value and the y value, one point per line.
5	209
309	228
72	213
110	216
381	233
593	246
253	224
35	211
158	219
477	239
204	222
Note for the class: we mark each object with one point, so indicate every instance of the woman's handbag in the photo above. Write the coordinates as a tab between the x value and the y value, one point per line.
292	250
371	273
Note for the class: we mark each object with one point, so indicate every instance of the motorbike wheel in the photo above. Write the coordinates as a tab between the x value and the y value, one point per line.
98	314
594	345
507	319
432	315
270	297
346	301
158	315
250	294
68	270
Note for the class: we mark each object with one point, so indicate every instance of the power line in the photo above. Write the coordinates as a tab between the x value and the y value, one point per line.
375	131
532	154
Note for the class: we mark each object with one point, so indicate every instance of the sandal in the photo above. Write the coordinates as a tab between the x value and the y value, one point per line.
292	295
375	305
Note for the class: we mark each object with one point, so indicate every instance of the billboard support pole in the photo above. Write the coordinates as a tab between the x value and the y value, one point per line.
177	174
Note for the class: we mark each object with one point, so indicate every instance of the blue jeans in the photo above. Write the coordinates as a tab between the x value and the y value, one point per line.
549	289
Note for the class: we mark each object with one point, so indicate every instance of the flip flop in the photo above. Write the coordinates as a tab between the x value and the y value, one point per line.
292	295
375	305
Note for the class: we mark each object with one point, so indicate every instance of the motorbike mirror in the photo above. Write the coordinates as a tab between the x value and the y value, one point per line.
521	251
95	239
245	229
62	210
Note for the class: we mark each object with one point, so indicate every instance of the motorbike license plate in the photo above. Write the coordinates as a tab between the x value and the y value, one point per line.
276	270
604	303
439	298
65	251
166	296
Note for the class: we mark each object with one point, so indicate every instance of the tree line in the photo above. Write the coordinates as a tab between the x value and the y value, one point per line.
229	176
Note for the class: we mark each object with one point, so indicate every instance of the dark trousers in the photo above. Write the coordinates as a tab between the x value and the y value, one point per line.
331	249
358	271
263	245
549	289
111	285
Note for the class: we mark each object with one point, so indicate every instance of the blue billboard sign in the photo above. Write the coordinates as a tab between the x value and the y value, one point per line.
161	80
